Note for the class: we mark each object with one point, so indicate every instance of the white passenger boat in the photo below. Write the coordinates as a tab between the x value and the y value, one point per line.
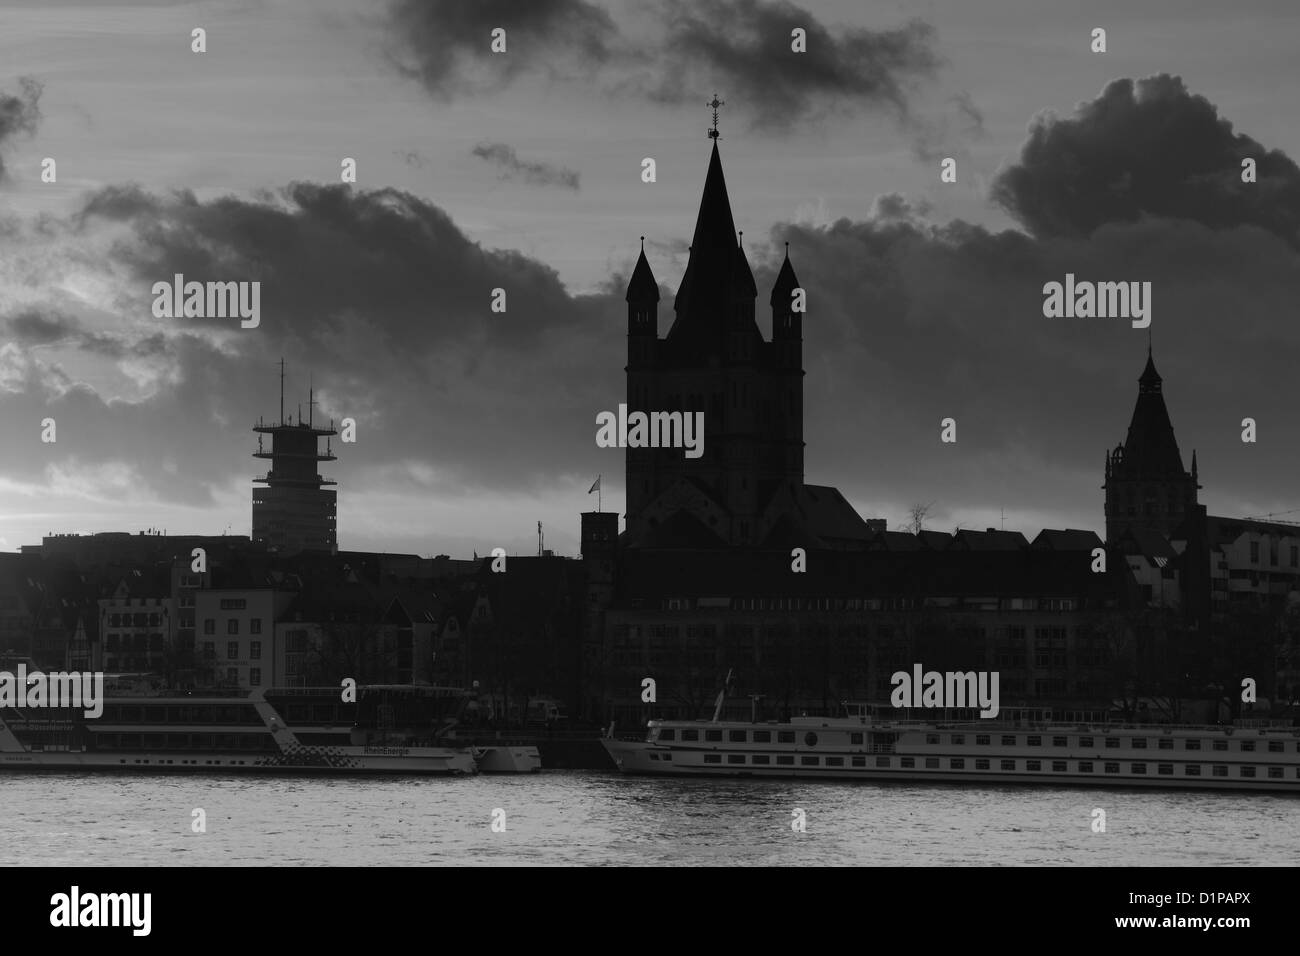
1019	748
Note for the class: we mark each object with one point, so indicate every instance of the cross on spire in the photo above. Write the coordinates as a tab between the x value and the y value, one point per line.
715	103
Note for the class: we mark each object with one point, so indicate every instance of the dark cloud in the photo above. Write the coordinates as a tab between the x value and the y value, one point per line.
19	113
1147	148
744	47
970	112
511	166
446	44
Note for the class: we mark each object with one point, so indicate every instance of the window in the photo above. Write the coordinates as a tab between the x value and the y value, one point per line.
713	758
785	760
1220	770
665	733
1085	766
1139	743
931	738
1085	742
209	650
1248	746
1059	766
736	736
1033	765
762	736
931	763
1165	769
1008	740
232	650
809	761
810	739
1138	767
762	759
1034	741
1008	765
690	735
1254	552
1295	556
957	763
880	761
1248	771
982	763
855	740
232	675
1275	773
785	736
1112	743
735	758
1165	743
862	761
255	677
255	651
255	626
1112	768
981	740
1192	770
958	739
232	626
1060	741
1191	744
907	763
1220	745
209	625
835	761
713	735
233	604
1275	746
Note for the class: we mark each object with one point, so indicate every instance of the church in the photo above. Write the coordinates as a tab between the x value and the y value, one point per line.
747	489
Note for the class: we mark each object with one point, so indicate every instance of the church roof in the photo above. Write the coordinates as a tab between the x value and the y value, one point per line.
1150	450
786	282
642	287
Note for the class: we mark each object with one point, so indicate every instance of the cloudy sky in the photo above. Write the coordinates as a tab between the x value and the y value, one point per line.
522	171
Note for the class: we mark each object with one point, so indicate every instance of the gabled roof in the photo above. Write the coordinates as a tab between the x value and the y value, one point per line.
989	540
1069	539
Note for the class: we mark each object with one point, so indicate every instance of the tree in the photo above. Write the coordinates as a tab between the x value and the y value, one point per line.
916	516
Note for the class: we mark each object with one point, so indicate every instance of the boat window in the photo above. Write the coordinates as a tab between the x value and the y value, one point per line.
931	738
1220	745
855	740
958	739
907	763
784	760
1060	741
713	735
713	758
981	740
932	763
810	739
1085	766
1275	773
1192	770
1138	767
1165	743
735	758
1059	766
667	733
1275	746
1033	765
862	761
1008	765
1220	770
1112	743
957	763
762	736
1191	744
1248	771
1008	740
1165	768
809	761
763	759
982	764
736	736
1086	742
835	761
1112	768
1139	743
1034	741
690	735
1248	745
666	756
785	736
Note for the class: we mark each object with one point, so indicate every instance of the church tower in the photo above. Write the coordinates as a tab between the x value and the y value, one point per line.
715	360
1146	486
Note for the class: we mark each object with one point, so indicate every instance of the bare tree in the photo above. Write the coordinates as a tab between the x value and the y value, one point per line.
916	516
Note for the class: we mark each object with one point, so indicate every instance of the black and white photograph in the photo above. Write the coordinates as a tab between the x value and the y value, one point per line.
650	433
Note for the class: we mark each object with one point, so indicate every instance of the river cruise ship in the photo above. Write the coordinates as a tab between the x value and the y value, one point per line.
1020	747
389	729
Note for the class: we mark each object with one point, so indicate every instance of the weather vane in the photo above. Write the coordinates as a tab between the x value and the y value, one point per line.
715	103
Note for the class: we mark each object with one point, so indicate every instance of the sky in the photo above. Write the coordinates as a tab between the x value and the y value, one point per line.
522	170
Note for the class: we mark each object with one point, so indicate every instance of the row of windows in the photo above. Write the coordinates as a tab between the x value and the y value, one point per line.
232	650
1111	743
135	620
959	763
745	736
185	742
232	625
